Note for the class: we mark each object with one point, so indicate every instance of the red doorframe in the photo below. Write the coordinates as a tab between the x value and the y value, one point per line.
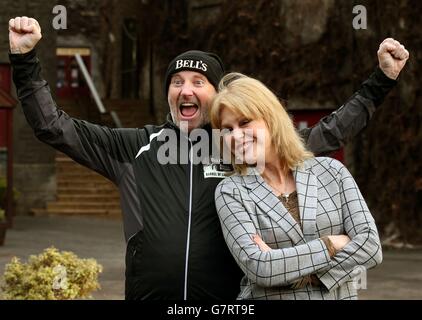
5	77
70	81
309	118
5	85
6	133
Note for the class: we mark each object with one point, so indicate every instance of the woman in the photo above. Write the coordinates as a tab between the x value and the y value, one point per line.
298	227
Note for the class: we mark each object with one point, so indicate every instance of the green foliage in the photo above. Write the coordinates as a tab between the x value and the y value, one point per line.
2	215
3	187
51	275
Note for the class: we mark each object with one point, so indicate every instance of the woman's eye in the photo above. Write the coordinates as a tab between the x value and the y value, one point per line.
244	122
199	82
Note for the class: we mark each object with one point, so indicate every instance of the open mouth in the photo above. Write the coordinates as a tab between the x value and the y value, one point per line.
188	110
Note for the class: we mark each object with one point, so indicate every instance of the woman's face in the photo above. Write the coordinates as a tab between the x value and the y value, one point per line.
248	139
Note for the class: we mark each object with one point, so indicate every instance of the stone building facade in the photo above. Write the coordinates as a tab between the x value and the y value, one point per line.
33	161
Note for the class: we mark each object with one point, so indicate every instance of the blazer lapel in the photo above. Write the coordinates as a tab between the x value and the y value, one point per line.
307	192
261	194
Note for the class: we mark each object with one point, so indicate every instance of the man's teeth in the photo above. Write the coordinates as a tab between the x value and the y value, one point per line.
188	109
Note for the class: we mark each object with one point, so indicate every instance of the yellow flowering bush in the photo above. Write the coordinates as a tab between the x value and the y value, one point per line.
51	275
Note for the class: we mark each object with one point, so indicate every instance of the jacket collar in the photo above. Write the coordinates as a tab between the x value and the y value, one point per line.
307	191
170	124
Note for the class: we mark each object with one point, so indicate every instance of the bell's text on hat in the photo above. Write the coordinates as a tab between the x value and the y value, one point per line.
200	65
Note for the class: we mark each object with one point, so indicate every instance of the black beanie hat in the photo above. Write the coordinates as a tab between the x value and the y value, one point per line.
206	63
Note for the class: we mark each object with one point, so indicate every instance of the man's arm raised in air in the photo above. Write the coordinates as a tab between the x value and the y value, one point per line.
334	130
99	148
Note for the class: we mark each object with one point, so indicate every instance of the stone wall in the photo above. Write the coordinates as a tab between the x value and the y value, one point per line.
308	52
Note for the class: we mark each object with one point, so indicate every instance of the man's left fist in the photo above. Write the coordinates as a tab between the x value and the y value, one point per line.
392	57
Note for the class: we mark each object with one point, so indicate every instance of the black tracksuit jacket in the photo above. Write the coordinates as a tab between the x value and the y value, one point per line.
175	248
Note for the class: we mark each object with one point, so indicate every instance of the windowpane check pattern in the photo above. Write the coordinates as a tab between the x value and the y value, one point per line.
330	203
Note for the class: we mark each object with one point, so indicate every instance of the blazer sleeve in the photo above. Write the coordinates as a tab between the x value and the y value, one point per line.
334	130
102	149
277	267
364	249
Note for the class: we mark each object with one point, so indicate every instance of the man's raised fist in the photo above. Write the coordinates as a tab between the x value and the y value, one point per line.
392	57
24	34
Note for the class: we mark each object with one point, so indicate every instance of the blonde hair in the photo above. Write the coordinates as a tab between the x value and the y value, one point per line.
252	99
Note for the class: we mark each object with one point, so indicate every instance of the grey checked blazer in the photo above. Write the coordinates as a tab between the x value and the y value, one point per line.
330	203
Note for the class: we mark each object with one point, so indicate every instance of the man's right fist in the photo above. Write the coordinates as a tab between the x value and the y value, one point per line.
24	34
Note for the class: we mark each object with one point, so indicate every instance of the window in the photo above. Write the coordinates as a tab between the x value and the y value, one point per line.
70	80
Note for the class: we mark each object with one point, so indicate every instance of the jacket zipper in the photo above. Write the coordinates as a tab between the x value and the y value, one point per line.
185	293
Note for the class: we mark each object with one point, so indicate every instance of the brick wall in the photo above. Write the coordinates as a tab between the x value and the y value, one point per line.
33	161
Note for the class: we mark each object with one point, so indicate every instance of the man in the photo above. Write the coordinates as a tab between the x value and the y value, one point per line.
175	247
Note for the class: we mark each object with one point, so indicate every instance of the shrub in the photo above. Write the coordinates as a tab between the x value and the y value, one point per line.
3	187
52	275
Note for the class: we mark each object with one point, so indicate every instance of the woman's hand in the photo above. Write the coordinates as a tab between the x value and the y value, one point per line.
339	241
298	284
261	244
